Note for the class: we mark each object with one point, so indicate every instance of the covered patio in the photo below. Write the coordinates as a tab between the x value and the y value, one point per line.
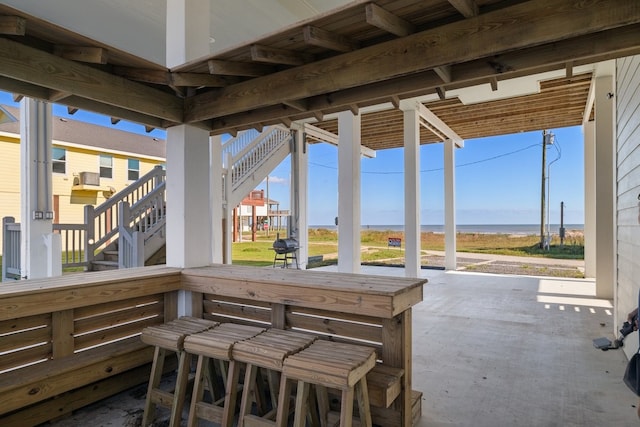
518	352
482	349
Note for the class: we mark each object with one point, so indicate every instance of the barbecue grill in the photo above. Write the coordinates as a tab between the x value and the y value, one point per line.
285	251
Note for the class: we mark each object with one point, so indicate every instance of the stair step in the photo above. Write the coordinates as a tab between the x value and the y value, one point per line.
110	256
104	265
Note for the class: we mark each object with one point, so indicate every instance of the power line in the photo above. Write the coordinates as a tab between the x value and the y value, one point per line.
437	169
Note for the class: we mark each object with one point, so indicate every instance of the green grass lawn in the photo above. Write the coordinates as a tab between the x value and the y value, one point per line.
375	246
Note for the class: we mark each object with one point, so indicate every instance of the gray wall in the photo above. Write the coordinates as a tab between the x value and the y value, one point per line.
628	185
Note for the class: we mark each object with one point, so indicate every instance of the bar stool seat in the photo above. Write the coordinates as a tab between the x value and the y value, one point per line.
170	336
267	350
327	364
216	344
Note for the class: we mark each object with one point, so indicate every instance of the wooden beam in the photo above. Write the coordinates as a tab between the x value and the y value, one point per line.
231	68
354	109
17	97
149	129
40	68
592	48
89	54
441	93
318	115
157	77
494	83
444	73
200	80
273	55
286	121
319	37
58	95
71	110
115	120
468	8
300	105
13	25
395	101
520	26
569	69
387	21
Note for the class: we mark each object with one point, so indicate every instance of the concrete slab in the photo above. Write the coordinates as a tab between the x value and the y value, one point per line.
492	351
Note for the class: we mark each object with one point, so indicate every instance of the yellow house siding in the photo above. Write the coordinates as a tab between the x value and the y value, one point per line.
71	202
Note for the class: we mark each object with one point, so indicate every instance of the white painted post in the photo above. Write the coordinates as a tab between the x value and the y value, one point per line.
36	191
217	209
450	262
188	178
605	187
589	200
299	199
349	221
412	251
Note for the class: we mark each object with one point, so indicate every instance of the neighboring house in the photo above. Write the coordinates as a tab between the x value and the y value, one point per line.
90	163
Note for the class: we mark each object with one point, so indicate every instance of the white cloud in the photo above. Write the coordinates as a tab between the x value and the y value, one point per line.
276	180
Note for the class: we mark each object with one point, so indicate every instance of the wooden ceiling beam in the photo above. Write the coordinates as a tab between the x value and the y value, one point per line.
71	110
300	105
319	37
387	21
272	55
592	48
200	80
232	68
88	54
27	64
468	8
57	95
13	25
157	77
520	26
444	73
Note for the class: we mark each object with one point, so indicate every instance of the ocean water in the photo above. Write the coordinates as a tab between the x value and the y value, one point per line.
521	229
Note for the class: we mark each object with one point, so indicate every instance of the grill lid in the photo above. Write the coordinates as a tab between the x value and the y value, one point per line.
282	246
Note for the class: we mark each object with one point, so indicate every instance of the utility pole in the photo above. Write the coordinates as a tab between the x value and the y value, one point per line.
543	187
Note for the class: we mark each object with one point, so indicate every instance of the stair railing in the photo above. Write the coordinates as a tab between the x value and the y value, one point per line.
244	162
102	222
139	223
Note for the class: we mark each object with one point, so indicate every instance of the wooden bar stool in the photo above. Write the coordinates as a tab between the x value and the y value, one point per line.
267	350
170	336
216	344
327	364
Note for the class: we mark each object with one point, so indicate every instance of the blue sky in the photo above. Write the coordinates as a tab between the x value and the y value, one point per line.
498	179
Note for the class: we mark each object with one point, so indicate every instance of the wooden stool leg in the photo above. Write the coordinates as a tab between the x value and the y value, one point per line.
322	397
198	391
282	416
362	394
230	394
346	408
154	382
302	397
181	389
249	384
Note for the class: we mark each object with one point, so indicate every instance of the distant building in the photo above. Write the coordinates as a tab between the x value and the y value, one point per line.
90	163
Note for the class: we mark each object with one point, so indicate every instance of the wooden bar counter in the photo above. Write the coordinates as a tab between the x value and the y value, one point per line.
371	310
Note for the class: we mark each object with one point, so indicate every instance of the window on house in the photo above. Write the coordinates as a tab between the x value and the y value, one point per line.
59	160
133	172
106	166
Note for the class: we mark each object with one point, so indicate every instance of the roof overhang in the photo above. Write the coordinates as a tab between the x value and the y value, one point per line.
457	59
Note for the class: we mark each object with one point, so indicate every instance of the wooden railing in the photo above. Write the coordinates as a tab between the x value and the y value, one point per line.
65	341
10	249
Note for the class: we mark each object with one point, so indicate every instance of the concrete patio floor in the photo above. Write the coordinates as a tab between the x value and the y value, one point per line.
491	351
